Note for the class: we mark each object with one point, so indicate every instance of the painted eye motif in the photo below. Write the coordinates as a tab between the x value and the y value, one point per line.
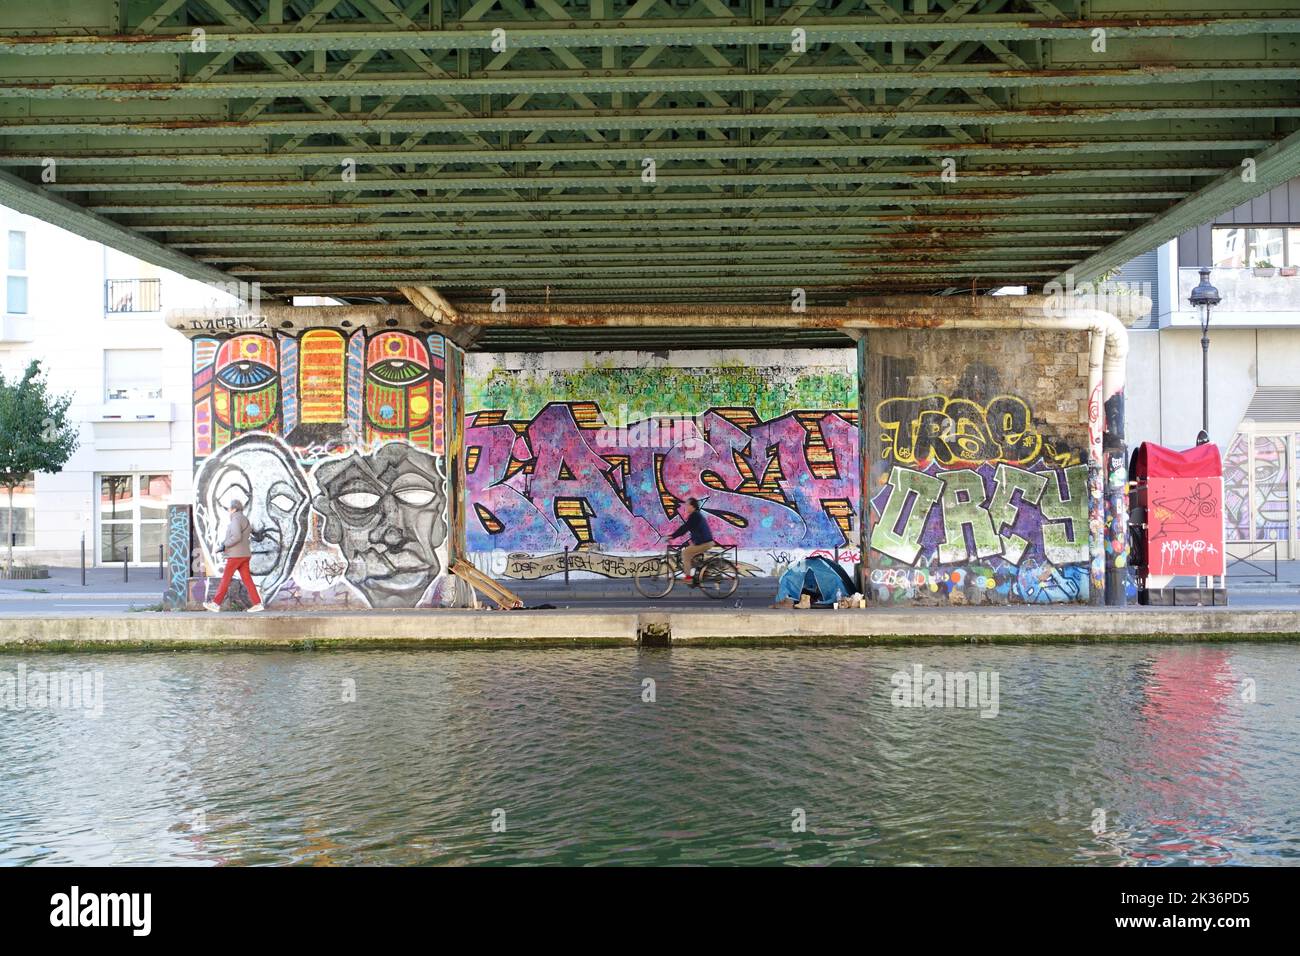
419	497
246	376
360	500
282	502
397	372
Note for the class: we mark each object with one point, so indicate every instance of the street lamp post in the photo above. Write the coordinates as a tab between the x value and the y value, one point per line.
1205	297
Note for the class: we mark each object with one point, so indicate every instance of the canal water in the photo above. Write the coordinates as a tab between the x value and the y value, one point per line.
1101	754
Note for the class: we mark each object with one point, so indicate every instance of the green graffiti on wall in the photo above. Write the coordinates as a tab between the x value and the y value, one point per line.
771	391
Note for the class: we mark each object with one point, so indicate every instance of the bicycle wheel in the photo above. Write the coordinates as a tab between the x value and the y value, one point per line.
719	579
654	579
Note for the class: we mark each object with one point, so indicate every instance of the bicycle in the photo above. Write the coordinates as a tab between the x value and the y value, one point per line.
718	576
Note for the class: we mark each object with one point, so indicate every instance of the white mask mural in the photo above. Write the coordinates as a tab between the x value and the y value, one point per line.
259	471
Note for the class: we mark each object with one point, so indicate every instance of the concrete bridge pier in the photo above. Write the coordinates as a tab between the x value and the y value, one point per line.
986	466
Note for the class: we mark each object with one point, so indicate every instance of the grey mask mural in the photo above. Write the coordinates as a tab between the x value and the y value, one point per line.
387	513
260	471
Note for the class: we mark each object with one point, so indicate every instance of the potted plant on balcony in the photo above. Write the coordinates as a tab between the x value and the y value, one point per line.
1263	269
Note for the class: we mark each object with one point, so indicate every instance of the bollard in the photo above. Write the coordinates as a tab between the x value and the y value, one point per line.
126	568
566	566
83	559
161	576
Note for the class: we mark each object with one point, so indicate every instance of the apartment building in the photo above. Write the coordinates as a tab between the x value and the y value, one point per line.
93	317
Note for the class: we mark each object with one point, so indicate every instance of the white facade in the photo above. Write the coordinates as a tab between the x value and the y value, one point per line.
130	380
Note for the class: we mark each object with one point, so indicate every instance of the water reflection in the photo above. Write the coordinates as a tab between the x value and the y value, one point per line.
265	759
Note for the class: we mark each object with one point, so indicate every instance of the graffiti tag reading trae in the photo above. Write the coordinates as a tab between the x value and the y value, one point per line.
974	502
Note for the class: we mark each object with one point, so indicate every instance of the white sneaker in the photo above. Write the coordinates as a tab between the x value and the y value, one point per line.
256	607
214	608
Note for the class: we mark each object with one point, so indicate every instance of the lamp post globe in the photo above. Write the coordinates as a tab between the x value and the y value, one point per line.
1204	297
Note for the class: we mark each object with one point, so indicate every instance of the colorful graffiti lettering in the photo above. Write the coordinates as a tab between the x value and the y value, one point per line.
958	516
973	504
957	432
560	480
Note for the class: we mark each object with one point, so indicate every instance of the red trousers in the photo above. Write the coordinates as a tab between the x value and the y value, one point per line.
240	565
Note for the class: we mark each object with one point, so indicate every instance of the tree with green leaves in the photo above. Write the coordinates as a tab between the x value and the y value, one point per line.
35	435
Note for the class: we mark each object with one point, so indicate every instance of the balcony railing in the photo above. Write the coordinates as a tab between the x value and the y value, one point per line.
132	295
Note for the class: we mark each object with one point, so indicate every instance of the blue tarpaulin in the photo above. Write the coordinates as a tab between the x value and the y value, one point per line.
824	578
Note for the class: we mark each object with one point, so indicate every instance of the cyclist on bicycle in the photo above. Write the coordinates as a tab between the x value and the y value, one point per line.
701	539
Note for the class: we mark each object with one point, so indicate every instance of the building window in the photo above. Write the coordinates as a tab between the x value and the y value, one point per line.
132	374
24	515
132	516
17	250
16	274
132	295
1244	247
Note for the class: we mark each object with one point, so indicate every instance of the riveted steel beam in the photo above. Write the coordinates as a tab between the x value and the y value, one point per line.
795	176
574	34
385	84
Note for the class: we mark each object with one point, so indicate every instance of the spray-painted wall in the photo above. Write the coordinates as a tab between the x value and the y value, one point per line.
338	442
979	483
596	453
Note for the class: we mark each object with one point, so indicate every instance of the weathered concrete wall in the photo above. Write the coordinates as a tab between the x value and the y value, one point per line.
341	443
595	453
978	479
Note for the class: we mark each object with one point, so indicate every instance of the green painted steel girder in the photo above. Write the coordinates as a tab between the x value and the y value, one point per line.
786	281
568	83
909	147
629	203
346	231
501	35
633	154
269	248
321	251
831	115
843	271
631	180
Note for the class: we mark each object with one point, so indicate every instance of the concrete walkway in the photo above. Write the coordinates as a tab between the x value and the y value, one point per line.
145	587
59	613
446	628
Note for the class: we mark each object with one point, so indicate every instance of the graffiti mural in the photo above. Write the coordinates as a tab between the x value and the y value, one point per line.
975	504
565	479
335	443
387	513
1236	489
1272	488
323	391
259	471
595	454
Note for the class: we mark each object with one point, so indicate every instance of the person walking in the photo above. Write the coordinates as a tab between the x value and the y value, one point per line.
239	553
